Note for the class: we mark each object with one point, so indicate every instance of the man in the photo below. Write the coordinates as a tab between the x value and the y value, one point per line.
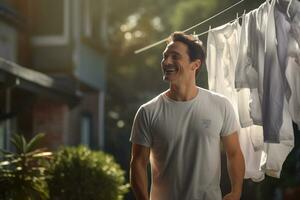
180	132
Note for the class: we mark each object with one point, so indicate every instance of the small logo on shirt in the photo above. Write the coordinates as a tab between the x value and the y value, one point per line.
205	123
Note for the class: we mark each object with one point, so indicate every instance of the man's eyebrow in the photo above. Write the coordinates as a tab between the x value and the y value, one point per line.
171	52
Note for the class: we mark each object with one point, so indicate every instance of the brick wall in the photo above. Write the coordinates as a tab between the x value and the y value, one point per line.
61	124
51	118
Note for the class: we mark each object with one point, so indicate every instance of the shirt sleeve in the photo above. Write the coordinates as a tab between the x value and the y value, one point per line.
230	124
140	133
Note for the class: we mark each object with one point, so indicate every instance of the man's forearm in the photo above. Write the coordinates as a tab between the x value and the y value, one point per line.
139	180
236	170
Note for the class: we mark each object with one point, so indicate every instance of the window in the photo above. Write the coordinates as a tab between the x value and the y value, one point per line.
50	21
86	129
8	42
94	19
86	19
47	17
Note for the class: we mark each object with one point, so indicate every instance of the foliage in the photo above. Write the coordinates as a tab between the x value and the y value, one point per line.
189	14
22	174
79	173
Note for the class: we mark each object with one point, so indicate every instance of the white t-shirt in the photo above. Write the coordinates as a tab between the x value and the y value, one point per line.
184	138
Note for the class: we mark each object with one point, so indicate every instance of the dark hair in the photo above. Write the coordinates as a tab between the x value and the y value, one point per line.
194	45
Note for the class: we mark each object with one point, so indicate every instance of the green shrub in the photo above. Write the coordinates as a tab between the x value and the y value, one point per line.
22	173
79	173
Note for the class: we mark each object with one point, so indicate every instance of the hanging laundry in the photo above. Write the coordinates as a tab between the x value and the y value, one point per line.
221	57
288	34
293	76
275	86
222	49
246	77
276	154
256	50
250	74
282	26
258	68
250	64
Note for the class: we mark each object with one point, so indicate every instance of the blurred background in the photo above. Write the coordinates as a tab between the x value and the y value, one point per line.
68	69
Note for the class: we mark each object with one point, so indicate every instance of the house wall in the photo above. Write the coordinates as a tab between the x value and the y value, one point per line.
51	118
89	106
54	45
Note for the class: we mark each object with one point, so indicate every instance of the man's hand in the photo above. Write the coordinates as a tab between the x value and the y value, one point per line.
138	171
232	196
235	165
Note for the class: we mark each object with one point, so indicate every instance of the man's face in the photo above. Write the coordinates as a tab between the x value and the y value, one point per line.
176	64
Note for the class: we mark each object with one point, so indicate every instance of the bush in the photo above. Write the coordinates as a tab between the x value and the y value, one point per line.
22	173
79	173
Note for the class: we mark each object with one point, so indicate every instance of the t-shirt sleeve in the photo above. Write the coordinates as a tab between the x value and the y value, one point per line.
230	124
140	133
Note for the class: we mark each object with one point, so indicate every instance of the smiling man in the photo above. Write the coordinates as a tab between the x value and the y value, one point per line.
179	132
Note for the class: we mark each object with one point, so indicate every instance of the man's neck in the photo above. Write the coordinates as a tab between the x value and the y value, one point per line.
182	92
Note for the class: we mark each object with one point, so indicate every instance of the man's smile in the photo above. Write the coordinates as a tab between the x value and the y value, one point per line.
170	69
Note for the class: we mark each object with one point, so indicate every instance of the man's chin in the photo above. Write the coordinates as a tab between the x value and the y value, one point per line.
168	79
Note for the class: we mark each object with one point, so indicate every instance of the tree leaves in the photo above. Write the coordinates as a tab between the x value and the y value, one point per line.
22	174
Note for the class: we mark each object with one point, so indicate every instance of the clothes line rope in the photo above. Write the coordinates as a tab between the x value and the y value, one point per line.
203	33
190	28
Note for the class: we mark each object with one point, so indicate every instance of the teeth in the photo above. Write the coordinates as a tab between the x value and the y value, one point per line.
171	70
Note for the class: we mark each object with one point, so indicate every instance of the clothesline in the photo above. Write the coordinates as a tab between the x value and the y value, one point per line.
203	33
190	28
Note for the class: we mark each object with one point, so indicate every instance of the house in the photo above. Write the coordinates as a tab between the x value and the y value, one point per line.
52	71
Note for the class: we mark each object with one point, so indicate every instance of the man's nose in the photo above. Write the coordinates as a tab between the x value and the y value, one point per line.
166	61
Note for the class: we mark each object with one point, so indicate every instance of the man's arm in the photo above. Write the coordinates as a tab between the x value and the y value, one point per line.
138	171
235	165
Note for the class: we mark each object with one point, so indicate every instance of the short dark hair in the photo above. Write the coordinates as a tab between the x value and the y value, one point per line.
194	45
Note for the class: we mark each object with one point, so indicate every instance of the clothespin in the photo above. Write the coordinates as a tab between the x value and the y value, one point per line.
195	36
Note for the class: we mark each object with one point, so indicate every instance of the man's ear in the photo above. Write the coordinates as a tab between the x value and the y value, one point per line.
197	64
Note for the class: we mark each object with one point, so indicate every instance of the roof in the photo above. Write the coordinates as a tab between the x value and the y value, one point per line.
36	82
